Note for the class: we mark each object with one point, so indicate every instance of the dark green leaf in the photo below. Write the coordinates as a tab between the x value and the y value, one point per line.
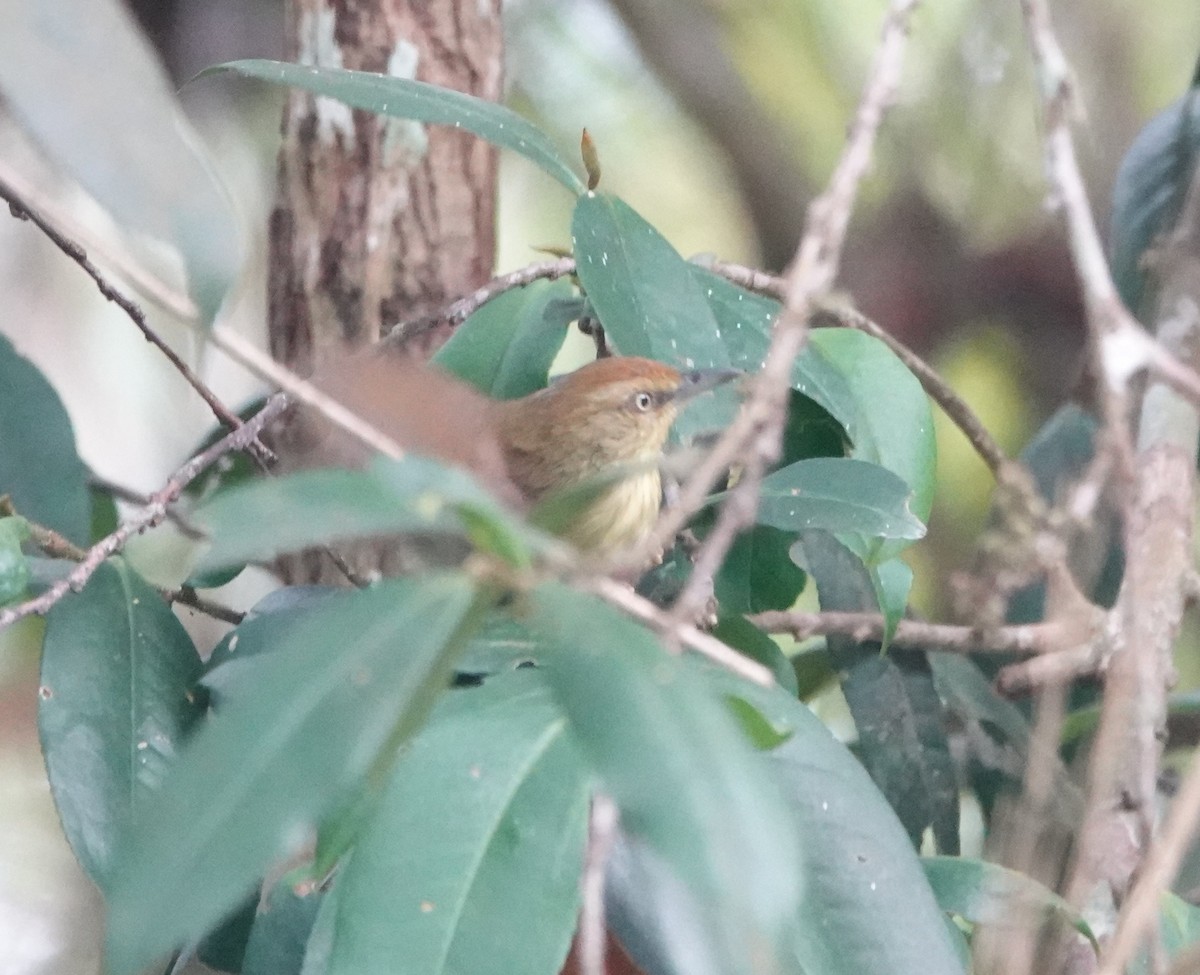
811	430
899	716
837	494
1057	456
39	468
472	861
743	635
103	515
646	296
973	698
746	320
663	583
295	734
84	81
985	893
279	934
683	775
116	699
506	347
866	905
1149	190
265	518
224	947
903	741
404	98
892	581
758	574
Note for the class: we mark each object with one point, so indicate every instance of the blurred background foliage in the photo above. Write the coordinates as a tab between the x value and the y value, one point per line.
717	120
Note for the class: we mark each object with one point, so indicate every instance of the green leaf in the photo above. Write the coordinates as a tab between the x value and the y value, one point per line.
865	906
104	517
279	934
646	297
505	349
265	518
298	731
84	82
894	426
501	644
1149	190
115	702
985	893
224	948
903	741
837	494
746	320
683	775
758	729
758	574
473	859
1179	928
14	569
39	468
407	99
892	581
899	716
743	635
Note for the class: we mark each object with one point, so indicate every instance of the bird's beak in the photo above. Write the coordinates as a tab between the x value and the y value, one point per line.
699	381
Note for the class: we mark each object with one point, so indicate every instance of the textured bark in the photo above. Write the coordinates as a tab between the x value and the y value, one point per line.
376	219
379	219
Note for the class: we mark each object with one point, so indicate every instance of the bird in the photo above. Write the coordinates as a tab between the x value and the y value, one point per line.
599	433
590	443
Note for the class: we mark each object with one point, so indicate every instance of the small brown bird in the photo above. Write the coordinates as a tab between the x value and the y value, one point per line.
598	432
604	425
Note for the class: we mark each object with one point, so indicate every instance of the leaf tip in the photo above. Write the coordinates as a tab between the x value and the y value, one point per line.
591	159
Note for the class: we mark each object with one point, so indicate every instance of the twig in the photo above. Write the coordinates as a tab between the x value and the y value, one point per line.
1027	639
258	362
460	310
46	539
602	832
187	596
755	434
227	417
148	516
1140	911
953	405
1155	492
1110	325
54	545
122	493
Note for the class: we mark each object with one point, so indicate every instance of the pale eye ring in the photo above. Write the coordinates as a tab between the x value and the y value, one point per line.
642	402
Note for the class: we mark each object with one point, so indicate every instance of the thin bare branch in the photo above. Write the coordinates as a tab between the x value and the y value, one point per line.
1140	911
150	515
1027	639
674	632
953	405
754	437
187	596
459	311
229	419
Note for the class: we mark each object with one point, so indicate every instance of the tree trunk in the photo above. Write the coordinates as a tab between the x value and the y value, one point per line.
377	220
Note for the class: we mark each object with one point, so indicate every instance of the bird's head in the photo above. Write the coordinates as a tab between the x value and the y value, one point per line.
623	407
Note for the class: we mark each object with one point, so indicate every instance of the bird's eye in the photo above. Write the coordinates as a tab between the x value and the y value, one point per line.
642	402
